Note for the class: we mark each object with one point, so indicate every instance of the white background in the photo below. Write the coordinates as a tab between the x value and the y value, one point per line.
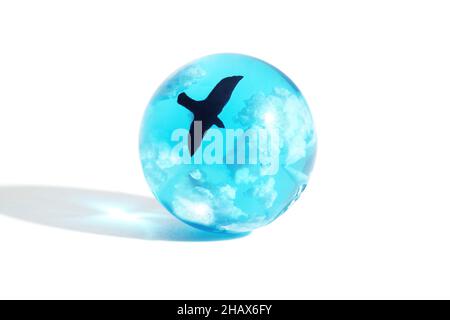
76	76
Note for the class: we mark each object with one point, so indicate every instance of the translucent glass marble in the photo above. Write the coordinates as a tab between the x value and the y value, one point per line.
227	143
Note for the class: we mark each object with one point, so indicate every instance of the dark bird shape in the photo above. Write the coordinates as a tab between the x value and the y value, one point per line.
206	111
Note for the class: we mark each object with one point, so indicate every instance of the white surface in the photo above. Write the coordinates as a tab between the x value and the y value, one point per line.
75	78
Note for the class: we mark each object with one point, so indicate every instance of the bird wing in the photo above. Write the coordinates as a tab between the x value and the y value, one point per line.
221	93
187	102
195	140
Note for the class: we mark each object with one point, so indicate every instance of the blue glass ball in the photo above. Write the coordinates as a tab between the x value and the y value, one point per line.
227	143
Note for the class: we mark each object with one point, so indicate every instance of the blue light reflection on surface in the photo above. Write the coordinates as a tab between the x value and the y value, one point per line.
98	212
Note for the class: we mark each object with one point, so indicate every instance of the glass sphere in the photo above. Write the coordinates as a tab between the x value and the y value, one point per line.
227	143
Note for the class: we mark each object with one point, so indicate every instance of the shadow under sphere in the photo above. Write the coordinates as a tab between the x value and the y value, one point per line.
99	212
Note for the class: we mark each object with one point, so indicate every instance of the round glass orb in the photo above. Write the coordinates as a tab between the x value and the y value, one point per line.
227	143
